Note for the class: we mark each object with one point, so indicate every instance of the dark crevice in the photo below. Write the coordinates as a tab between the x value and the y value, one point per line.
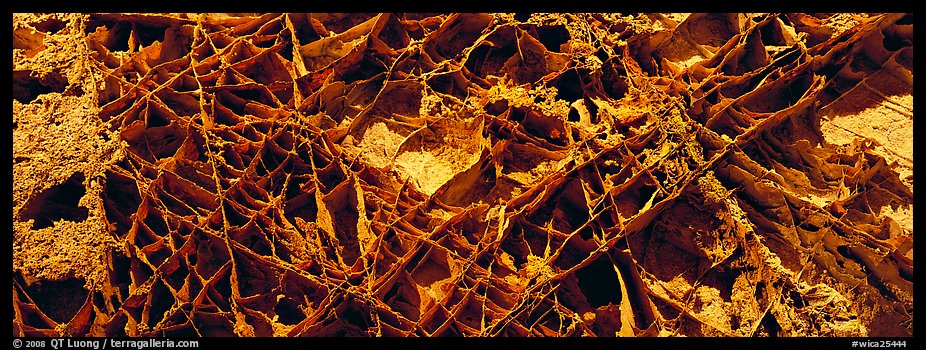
27	86
59	202
599	283
50	25
59	300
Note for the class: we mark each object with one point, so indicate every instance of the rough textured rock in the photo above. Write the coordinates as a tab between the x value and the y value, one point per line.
462	174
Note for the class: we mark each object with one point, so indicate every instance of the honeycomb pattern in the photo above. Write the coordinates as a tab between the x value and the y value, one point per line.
478	175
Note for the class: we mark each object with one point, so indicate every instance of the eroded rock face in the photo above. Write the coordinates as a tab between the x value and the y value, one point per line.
463	174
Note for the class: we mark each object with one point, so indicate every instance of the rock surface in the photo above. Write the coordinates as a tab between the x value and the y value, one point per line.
462	174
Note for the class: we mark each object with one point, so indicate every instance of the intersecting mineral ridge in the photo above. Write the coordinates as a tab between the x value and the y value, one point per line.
462	174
